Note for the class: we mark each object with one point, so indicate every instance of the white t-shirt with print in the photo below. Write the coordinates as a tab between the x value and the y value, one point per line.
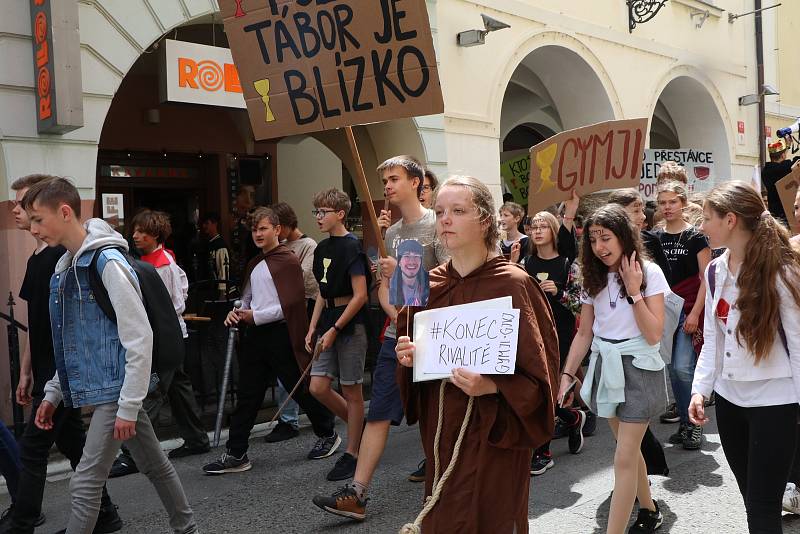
613	316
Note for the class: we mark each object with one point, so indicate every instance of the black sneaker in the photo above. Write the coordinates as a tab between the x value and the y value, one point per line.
108	520
576	433
343	502
123	466
671	415
561	430
678	437
344	469
324	447
541	463
228	463
591	424
694	437
647	521
184	451
281	432
419	474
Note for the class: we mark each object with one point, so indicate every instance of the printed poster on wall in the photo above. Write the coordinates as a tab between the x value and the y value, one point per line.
309	65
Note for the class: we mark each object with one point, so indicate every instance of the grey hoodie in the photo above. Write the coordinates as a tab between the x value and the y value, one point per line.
134	330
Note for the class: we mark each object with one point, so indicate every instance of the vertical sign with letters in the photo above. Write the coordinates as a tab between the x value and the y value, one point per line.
56	65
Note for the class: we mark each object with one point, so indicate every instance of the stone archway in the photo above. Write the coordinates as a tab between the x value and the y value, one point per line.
553	88
688	114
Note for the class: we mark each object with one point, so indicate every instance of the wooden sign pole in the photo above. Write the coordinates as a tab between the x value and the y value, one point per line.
363	189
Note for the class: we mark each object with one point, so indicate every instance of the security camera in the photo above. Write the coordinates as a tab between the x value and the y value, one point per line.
492	25
478	37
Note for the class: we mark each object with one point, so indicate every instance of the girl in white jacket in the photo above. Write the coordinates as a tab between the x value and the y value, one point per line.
751	352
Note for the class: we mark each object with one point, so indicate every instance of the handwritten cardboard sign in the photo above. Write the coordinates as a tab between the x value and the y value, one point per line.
480	340
607	155
699	166
516	176
311	65
787	190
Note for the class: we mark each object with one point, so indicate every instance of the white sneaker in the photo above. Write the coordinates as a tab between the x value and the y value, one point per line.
791	499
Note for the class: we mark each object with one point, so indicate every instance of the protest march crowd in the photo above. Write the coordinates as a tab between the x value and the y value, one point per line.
618	306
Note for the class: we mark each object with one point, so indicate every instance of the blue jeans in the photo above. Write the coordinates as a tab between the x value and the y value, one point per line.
291	413
10	464
681	370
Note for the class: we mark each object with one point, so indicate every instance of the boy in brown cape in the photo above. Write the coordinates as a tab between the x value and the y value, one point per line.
274	308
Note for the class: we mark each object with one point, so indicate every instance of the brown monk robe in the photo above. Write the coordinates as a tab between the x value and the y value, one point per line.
488	489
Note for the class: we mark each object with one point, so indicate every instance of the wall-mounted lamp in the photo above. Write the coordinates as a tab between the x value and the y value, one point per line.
478	37
749	100
699	17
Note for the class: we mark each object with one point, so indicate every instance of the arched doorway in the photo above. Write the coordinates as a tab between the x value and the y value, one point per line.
687	125
551	90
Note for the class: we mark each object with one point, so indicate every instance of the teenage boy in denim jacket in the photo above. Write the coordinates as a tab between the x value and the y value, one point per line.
99	363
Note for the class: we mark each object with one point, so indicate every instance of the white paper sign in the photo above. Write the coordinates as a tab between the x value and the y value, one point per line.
481	337
113	206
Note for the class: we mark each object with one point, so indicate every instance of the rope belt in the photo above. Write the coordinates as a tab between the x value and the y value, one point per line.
438	484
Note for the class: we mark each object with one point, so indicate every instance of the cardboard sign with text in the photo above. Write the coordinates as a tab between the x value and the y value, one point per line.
607	155
787	190
312	65
481	337
516	176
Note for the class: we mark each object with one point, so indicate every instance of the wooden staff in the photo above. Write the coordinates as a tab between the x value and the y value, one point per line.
363	190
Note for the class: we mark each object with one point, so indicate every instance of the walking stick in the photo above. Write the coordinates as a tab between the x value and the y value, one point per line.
317	352
226	375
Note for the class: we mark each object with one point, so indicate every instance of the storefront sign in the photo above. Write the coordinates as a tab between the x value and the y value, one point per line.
787	190
130	171
740	132
311	65
699	165
607	155
516	176
199	74
57	66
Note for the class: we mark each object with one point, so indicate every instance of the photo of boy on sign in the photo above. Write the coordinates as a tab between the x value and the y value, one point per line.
409	285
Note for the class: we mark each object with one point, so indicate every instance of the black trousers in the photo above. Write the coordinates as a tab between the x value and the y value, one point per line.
268	353
794	474
759	444
69	436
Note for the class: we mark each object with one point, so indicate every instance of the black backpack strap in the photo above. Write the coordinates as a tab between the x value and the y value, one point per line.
99	289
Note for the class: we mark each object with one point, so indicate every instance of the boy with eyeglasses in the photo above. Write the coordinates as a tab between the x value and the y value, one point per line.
402	177
341	269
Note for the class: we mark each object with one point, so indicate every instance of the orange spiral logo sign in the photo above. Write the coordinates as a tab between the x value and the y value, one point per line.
43	83
210	75
40	27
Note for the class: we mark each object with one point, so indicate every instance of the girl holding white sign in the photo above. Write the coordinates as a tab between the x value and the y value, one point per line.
622	321
479	431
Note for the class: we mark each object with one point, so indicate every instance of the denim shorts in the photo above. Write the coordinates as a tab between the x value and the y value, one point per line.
345	360
385	403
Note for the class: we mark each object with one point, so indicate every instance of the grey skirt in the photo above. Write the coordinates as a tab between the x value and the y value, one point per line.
645	392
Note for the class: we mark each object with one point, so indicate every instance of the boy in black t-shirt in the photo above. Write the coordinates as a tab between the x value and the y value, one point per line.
340	268
37	366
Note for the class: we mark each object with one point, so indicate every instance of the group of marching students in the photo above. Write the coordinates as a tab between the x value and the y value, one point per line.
618	302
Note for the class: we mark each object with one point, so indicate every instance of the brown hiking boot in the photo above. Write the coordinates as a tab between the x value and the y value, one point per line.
343	502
